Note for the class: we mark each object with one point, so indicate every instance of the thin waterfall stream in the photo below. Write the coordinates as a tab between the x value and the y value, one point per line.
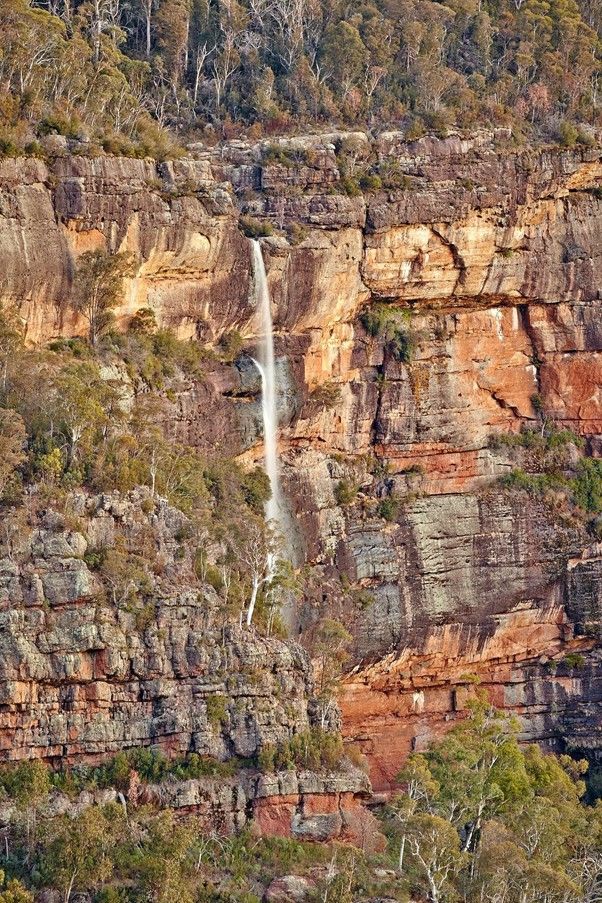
269	397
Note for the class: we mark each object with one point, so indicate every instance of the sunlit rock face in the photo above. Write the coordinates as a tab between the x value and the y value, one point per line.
496	256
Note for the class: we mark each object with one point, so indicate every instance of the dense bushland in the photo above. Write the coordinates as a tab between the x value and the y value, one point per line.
477	818
126	75
482	818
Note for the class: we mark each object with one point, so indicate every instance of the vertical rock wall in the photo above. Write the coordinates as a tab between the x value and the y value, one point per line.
496	256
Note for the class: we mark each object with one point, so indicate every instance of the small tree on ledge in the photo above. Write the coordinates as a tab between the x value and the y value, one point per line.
98	288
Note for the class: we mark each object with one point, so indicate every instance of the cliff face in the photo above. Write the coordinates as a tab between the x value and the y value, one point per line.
87	669
90	668
497	257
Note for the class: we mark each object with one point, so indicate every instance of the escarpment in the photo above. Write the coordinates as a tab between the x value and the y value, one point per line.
110	640
453	300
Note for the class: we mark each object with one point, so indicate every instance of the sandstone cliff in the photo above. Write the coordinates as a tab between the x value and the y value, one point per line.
91	665
496	255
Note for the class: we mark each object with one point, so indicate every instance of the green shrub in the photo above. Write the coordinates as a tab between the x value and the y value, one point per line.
416	129
15	892
231	344
392	176
587	486
417	469
34	149
285	156
568	134
534	484
255	228
388	508
256	489
67	126
297	233
150	765
217	711
266	758
371	182
76	346
537	403
400	346
326	395
196	766
574	660
551	439
351	187
112	895
95	556
345	492
143	322
147	506
362	598
585	138
315	749
25	782
144	617
389	323
9	147
378	318
286	855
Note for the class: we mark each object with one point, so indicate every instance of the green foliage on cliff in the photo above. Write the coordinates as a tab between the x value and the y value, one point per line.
345	492
481	818
582	486
391	325
255	228
98	288
327	395
554	466
150	765
541	441
316	750
144	854
478	818
122	75
97	416
64	422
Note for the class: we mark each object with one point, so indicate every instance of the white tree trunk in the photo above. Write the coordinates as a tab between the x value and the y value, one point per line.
252	601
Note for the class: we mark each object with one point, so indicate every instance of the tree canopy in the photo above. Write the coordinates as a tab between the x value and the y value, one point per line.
127	74
480	818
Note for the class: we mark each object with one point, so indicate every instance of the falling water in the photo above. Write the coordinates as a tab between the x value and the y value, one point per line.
267	369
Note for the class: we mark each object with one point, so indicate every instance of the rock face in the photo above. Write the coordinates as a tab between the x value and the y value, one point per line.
301	804
87	668
495	256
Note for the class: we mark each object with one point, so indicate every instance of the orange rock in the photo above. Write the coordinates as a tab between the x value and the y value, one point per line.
407	700
273	815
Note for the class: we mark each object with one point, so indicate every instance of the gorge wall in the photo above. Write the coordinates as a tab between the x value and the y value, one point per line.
495	253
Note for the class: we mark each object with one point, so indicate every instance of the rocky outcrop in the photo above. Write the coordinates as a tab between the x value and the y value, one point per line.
494	254
305	805
138	654
529	662
94	662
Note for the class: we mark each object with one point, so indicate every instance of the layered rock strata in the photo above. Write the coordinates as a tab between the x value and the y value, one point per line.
303	805
89	668
136	654
495	255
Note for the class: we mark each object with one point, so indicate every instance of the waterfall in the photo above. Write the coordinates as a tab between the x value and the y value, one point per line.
267	370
